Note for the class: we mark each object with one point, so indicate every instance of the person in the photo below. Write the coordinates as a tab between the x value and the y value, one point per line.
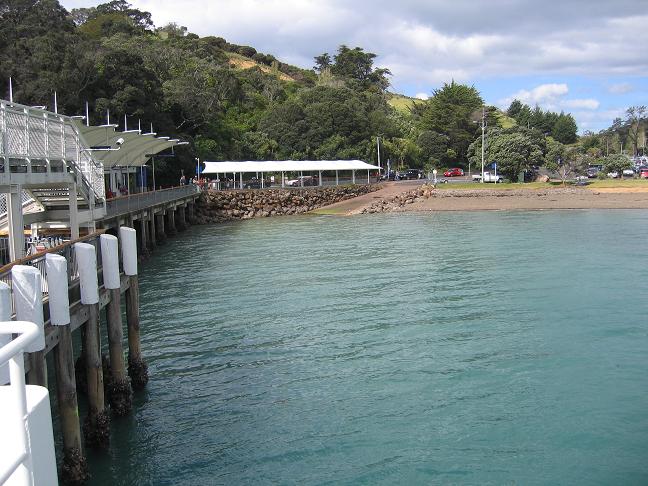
183	180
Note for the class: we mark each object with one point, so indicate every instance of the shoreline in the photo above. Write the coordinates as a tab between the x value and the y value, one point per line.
396	198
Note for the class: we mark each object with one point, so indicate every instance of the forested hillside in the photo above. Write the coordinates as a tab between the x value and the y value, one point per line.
232	102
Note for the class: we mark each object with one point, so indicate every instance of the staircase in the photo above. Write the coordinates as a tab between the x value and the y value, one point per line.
43	153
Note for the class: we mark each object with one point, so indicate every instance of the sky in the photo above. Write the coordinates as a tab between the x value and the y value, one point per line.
586	57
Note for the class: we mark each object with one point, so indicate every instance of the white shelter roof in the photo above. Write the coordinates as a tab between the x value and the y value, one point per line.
285	166
135	148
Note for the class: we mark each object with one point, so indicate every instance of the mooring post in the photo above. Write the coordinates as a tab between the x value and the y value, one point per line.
119	391
74	469
28	300
137	368
96	426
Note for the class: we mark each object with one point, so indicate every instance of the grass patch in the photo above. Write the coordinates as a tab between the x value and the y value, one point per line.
594	183
325	211
402	103
505	186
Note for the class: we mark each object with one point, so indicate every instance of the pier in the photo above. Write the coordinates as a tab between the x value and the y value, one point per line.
57	177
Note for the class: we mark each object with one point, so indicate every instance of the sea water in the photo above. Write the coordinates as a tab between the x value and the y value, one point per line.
442	348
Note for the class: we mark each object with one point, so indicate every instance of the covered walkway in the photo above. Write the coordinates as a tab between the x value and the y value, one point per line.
237	169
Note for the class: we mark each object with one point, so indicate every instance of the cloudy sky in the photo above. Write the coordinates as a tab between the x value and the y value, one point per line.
587	57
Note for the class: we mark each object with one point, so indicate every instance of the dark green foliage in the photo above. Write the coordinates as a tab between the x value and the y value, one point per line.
561	127
452	111
564	129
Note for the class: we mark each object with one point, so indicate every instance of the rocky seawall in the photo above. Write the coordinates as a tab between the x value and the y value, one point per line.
221	206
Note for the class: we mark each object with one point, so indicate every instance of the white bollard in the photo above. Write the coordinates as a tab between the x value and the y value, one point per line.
28	299
57	283
5	315
87	264
110	261
128	238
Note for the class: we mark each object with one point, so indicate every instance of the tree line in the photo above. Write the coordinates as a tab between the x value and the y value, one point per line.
232	102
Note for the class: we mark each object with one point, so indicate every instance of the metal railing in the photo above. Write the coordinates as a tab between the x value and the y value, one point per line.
12	354
143	200
66	250
34	140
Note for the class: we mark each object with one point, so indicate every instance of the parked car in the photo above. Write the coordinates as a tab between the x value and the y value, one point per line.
628	172
488	177
253	183
592	172
303	181
454	172
643	172
389	176
412	174
613	175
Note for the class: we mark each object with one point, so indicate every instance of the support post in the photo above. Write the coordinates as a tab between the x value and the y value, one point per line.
16	223
337	182
171	229
96	425
28	300
320	178
353	176
74	469
119	392
74	212
159	225
151	232
137	369
182	222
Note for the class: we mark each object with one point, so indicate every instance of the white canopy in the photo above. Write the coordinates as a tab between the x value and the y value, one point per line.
285	166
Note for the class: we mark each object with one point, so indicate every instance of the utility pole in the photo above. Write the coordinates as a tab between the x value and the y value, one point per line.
483	127
378	146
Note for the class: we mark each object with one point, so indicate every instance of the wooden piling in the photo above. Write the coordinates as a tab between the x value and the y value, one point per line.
74	469
96	426
159	226
181	220
151	232
37	374
137	368
120	397
171	226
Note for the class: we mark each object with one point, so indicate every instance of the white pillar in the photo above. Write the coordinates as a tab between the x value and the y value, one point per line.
28	299
320	177
110	261
87	264
283	180
5	315
74	213
56	269
16	223
353	176
241	179
336	178
128	240
301	178
368	182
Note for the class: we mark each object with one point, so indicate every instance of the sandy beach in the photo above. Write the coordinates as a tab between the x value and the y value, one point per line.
398	197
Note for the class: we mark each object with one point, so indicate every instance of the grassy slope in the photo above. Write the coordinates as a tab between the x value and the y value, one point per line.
241	62
402	103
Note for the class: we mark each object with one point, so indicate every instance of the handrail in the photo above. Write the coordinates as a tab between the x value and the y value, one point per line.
12	353
121	198
56	249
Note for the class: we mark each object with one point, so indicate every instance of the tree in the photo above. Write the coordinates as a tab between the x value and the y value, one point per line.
564	130
433	146
514	108
616	163
322	62
356	67
635	120
565	161
513	149
452	111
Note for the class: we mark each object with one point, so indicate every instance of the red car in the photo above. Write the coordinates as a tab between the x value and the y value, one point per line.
643	173
454	172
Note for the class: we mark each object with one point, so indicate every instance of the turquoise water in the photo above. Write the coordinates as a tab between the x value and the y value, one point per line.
461	348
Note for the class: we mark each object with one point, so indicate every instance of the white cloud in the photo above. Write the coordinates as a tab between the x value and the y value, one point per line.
621	88
544	94
587	104
422	96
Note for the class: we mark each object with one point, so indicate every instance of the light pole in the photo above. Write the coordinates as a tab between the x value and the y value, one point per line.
197	169
483	127
378	147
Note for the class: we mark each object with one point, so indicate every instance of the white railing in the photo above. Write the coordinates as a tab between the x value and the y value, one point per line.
12	353
33	140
